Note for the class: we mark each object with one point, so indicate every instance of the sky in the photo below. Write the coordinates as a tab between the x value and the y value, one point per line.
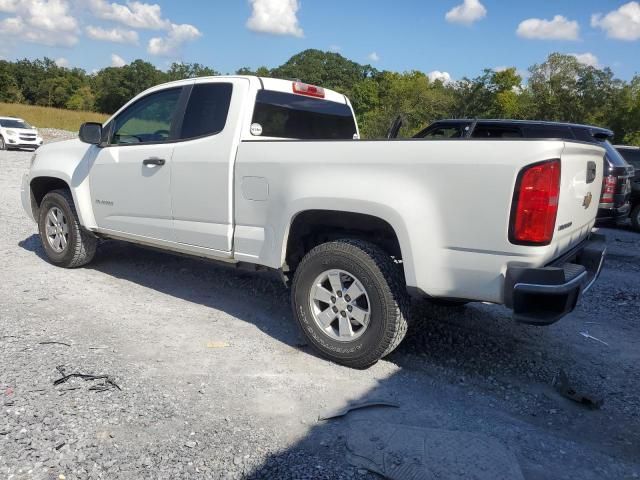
448	39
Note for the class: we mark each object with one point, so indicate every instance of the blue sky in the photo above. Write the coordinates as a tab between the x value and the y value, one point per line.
401	35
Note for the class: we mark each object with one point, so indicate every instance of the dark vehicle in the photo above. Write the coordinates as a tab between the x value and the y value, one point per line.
632	155
616	189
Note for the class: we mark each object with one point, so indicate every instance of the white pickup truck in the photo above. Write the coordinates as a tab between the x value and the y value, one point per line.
270	173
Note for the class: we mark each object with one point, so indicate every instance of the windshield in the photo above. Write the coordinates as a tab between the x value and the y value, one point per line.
15	124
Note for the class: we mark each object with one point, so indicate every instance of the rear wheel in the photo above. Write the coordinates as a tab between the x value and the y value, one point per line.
350	301
635	218
65	242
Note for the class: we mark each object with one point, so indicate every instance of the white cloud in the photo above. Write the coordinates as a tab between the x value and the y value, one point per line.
587	58
335	48
468	12
46	22
559	28
134	14
621	24
62	62
115	35
374	57
170	45
117	61
436	75
8	6
277	17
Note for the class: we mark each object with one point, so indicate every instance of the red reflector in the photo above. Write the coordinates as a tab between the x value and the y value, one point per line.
308	90
535	207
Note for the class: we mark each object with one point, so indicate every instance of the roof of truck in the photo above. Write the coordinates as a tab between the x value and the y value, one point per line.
601	130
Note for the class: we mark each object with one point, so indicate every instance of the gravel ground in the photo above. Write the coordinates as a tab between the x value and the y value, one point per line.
214	382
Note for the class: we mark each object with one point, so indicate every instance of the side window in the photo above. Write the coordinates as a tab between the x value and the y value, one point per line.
149	120
207	110
632	156
549	131
444	131
496	131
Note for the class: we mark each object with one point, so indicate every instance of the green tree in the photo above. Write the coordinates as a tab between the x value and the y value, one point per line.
326	69
181	71
83	99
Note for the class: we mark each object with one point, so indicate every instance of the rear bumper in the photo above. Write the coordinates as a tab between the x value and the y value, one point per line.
613	216
541	296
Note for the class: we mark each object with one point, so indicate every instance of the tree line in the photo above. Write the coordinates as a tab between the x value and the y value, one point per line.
559	89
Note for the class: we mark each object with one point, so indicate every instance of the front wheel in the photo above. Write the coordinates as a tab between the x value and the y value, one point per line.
350	301
3	146
635	218
65	242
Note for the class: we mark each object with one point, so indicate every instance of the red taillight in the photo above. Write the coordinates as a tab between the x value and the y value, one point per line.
308	90
608	188
535	204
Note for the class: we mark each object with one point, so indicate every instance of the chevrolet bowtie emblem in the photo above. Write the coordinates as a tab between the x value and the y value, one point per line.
587	200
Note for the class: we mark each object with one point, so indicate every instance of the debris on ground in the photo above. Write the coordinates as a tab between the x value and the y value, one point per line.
107	382
217	344
54	343
563	387
357	406
402	452
588	335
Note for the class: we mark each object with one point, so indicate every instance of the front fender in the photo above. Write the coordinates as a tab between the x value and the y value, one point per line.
71	162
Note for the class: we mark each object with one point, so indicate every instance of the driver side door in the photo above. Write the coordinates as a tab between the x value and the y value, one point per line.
131	177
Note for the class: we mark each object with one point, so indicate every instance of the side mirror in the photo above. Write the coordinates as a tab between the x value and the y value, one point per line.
91	133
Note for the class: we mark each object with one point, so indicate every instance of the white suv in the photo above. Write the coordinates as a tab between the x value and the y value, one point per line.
16	133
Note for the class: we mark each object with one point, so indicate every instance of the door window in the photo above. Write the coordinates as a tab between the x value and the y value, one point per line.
149	120
207	110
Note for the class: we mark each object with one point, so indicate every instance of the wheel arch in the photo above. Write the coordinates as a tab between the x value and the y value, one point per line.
310	227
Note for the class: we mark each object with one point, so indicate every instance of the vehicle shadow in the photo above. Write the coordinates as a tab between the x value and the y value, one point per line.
239	293
462	360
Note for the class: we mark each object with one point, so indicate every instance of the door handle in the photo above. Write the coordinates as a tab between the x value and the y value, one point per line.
154	161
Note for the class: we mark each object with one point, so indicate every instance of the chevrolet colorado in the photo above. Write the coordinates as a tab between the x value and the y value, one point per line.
271	173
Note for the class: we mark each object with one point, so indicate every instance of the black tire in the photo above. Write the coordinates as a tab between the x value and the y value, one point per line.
635	218
81	245
3	146
388	301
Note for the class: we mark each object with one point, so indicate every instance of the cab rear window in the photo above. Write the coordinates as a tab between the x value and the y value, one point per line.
286	115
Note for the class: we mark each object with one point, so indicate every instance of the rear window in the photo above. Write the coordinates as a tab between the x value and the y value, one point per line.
286	115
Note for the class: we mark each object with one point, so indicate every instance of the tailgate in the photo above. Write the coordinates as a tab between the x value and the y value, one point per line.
581	185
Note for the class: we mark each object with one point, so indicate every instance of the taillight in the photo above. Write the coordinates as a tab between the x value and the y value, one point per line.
308	90
609	184
535	204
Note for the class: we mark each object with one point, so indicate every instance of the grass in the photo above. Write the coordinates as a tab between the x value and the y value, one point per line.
46	117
